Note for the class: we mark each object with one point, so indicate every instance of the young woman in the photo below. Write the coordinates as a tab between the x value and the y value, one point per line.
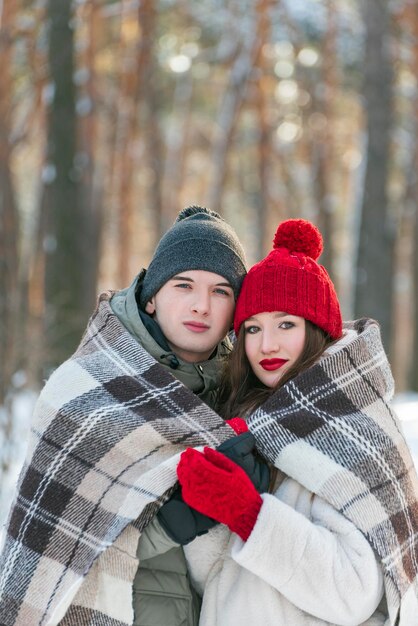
334	541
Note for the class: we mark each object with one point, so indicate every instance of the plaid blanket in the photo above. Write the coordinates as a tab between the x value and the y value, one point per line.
107	431
332	430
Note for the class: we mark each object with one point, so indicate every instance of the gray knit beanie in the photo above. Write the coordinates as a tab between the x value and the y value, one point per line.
198	240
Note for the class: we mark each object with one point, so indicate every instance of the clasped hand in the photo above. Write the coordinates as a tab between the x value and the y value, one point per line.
220	489
183	522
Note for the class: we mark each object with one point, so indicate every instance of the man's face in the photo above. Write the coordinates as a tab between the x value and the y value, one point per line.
194	310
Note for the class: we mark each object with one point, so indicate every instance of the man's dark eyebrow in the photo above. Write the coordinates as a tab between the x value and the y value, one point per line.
190	280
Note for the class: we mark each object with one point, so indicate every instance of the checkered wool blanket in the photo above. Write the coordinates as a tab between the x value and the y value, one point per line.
333	431
107	430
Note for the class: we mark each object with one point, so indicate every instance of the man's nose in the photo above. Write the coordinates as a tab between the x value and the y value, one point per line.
201	303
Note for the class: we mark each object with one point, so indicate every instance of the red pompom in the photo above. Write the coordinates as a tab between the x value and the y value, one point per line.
299	236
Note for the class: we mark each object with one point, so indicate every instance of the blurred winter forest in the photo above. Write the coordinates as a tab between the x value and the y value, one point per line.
115	114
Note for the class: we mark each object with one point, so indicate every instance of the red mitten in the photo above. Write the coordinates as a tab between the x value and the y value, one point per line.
238	424
217	487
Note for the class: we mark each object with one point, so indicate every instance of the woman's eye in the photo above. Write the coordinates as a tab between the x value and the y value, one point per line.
286	325
251	330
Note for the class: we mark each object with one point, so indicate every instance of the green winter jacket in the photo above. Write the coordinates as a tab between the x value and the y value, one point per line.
162	593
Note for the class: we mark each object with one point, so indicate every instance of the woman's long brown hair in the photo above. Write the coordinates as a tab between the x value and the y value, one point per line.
241	391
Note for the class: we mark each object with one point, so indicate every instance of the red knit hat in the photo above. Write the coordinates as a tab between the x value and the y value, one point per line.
290	280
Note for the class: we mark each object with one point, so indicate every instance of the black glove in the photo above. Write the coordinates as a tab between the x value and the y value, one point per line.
240	449
181	522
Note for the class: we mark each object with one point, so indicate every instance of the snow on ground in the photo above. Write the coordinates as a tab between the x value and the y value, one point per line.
14	450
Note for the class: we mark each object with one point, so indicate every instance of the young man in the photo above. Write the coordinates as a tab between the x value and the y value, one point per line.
181	310
108	429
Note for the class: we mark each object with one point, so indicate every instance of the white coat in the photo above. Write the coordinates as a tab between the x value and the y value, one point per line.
304	564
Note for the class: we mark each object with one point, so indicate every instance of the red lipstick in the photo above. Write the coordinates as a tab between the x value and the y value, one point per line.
272	364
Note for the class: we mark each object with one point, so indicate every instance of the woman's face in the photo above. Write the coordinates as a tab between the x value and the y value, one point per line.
273	342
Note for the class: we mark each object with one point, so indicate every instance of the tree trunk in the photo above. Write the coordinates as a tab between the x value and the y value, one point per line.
65	232
262	204
177	143
9	237
375	260
413	373
9	219
149	98
126	130
326	164
233	99
90	190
